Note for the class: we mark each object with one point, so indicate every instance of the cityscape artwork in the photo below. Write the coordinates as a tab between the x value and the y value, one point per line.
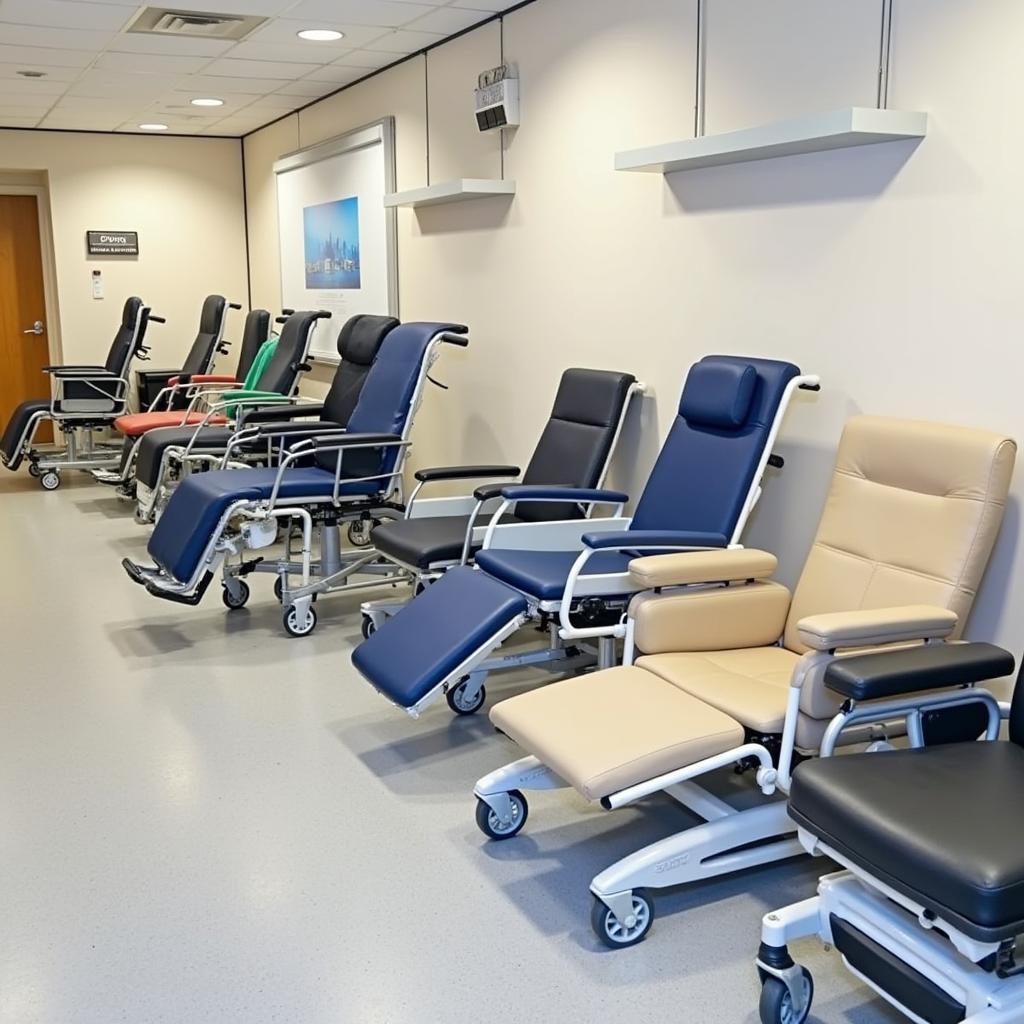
331	242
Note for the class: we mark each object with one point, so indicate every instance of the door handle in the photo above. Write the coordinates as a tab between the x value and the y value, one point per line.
36	328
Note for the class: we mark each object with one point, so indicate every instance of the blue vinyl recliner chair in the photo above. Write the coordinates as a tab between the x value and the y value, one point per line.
325	475
572	577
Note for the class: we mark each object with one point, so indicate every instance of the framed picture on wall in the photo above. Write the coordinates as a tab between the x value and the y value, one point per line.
338	249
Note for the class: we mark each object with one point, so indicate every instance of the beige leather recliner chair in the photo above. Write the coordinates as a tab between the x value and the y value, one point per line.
723	666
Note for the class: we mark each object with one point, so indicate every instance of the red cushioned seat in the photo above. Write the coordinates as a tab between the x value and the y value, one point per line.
142	422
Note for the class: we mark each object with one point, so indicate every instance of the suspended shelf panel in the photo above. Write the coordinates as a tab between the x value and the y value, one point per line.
836	129
456	191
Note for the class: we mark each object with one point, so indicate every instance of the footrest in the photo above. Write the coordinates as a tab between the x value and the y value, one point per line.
135	572
437	636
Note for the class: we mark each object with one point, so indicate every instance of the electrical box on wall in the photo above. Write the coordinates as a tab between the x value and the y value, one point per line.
497	99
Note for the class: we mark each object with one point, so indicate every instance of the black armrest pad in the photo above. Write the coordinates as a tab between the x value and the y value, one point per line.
931	667
69	371
290	428
278	413
464	472
353	439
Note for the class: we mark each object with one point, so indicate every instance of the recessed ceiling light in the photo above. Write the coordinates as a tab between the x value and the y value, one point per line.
32	74
320	35
207	101
153	126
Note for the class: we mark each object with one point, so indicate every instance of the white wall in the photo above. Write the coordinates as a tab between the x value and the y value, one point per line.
892	270
183	196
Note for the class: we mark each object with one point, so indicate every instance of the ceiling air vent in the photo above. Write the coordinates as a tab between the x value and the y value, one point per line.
195	24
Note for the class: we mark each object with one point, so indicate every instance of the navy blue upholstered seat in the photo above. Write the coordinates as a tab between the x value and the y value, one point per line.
197	505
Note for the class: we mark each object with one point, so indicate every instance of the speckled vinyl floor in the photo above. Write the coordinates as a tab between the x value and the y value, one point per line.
203	821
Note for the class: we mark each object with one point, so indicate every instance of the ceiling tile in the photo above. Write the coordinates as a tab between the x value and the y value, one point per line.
275	103
58	38
286	52
150	63
29	87
404	41
20	106
214	85
257	69
284	30
360	12
368	60
12	121
335	73
488	5
85	103
146	42
447	20
108	84
307	88
47	13
263	8
38	57
52	74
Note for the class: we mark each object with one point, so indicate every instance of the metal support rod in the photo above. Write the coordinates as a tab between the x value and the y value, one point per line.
701	72
884	55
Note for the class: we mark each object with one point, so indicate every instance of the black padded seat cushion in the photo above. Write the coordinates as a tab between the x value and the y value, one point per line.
155	442
426	542
937	824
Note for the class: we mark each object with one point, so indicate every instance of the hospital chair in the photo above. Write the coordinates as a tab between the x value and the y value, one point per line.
358	342
929	906
574	450
572	577
325	476
84	399
163	455
724	668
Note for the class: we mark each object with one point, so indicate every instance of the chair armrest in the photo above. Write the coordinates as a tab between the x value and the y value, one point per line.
636	539
287	412
871	627
212	378
288	428
487	491
79	371
720	566
350	440
464	473
549	492
931	667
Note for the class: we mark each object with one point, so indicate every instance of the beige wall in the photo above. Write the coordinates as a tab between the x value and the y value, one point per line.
893	271
183	196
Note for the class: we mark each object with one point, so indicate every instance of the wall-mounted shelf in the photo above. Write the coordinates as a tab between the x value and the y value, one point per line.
456	191
836	129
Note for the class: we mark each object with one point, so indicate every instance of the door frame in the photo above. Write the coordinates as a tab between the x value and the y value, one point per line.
42	194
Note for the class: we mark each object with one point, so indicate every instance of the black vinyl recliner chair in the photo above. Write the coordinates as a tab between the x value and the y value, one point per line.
931	905
575	449
84	398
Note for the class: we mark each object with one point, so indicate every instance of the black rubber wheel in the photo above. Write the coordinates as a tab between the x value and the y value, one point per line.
488	823
34	470
457	702
233	602
291	626
369	627
279	589
359	532
776	1006
50	480
612	932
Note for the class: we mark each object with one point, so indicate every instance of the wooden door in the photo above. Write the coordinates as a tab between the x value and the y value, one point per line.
22	304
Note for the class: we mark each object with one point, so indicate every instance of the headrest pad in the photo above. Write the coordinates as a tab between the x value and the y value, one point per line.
130	313
594	397
212	314
360	337
718	394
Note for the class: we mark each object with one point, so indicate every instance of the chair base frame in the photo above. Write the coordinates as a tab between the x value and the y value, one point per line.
931	949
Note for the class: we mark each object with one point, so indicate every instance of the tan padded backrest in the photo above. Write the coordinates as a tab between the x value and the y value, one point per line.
911	518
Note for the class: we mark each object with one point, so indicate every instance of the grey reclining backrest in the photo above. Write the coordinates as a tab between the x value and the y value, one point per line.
574	445
125	345
358	343
289	359
254	335
211	325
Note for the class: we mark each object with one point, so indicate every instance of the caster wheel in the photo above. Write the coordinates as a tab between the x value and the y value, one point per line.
235	600
616	934
279	590
459	703
291	622
50	480
776	1006
34	470
369	627
359	532
488	822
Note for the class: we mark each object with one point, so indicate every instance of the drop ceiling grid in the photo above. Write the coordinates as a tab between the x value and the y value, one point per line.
99	77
